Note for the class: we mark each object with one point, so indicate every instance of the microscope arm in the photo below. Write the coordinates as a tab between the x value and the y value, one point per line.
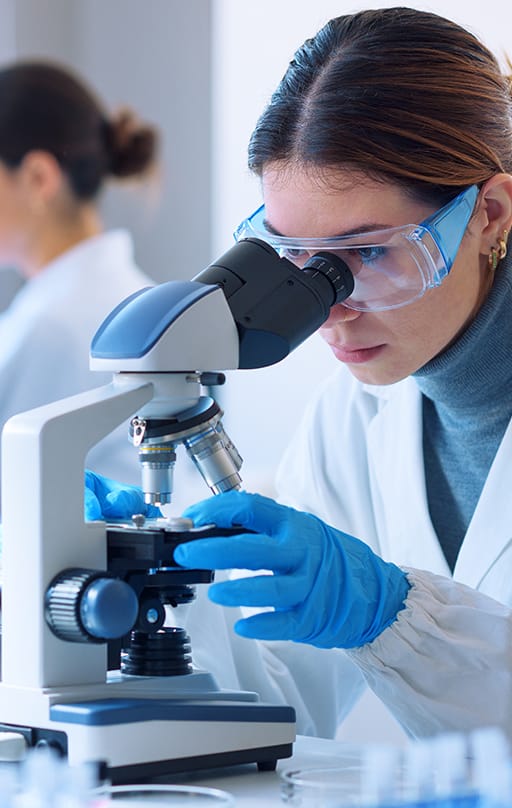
44	532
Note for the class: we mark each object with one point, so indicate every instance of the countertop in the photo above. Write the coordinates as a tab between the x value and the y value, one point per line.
254	789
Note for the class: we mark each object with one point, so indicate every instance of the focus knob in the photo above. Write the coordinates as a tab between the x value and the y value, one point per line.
90	606
331	266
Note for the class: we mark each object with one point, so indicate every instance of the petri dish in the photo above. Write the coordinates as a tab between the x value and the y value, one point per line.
164	796
322	787
369	776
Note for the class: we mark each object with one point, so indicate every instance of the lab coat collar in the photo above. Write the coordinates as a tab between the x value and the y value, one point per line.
395	447
381	391
490	530
118	243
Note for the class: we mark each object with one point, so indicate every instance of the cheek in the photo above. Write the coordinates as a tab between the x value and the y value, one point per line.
450	308
338	314
425	329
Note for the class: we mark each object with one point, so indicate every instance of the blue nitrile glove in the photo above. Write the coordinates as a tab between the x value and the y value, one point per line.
328	589
108	499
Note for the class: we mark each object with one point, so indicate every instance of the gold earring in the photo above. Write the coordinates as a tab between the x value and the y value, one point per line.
502	246
492	260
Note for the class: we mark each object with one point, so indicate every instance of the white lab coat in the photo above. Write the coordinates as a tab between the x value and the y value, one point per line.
45	336
446	662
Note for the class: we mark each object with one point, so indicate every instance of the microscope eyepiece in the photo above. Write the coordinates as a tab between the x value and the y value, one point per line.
335	270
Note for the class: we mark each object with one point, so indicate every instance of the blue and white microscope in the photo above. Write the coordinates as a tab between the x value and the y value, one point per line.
74	593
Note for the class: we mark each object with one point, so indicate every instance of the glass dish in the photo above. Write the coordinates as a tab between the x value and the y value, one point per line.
372	775
164	796
322	787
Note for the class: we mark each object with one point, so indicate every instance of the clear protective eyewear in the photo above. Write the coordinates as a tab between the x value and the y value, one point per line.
392	267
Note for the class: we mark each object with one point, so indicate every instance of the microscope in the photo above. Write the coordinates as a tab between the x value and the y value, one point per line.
89	665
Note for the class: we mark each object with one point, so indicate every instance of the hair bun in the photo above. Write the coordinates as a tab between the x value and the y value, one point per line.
131	145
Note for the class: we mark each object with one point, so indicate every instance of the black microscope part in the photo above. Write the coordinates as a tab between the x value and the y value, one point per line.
144	558
274	304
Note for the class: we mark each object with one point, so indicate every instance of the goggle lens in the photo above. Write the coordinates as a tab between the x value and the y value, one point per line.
391	267
384	276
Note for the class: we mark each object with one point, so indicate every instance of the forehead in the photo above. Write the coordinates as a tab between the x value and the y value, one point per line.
329	202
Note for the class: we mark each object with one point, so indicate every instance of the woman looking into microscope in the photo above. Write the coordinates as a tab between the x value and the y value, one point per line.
58	148
389	142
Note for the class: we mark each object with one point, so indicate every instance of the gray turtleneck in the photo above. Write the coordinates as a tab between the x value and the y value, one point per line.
467	404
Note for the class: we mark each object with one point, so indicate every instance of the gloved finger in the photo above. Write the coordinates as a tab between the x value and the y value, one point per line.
106	498
99	485
277	591
92	508
253	511
267	626
125	502
247	551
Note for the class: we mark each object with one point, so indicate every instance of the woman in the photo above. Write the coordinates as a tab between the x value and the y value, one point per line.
389	141
58	147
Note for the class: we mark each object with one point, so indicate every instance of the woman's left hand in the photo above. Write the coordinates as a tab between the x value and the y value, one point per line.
108	499
327	589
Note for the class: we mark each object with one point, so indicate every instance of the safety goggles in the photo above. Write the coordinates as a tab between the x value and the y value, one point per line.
392	267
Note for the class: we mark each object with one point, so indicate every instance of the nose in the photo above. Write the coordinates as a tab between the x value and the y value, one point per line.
340	314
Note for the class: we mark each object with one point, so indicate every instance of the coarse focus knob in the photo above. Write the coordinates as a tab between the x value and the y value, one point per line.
90	606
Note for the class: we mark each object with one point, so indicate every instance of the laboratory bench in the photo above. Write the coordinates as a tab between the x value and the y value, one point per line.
254	789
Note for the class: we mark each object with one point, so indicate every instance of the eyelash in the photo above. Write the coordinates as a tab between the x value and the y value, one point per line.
374	253
365	254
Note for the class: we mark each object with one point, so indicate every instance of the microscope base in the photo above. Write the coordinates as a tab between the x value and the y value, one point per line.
266	759
140	738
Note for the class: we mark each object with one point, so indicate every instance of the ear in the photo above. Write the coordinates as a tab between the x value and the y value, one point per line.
41	178
496	209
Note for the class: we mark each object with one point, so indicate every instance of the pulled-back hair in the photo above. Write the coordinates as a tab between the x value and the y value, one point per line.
396	93
43	106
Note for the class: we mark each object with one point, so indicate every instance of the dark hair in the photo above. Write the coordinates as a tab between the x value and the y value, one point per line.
44	106
398	94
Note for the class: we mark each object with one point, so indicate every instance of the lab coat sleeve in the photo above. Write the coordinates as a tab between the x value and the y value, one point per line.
321	684
446	662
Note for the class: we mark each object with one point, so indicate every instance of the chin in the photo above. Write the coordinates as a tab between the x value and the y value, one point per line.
378	376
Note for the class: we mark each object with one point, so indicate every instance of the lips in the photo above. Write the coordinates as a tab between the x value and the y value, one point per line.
351	354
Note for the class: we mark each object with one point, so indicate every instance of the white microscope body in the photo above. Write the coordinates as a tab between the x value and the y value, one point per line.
55	684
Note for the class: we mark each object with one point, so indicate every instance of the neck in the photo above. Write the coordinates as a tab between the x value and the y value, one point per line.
56	235
477	368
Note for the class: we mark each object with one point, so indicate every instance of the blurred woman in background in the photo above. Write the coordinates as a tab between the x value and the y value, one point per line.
58	148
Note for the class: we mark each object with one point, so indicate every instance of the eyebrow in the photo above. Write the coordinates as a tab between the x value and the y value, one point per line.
365	228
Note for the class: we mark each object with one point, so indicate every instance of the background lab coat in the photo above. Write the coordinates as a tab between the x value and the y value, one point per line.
446	662
46	332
